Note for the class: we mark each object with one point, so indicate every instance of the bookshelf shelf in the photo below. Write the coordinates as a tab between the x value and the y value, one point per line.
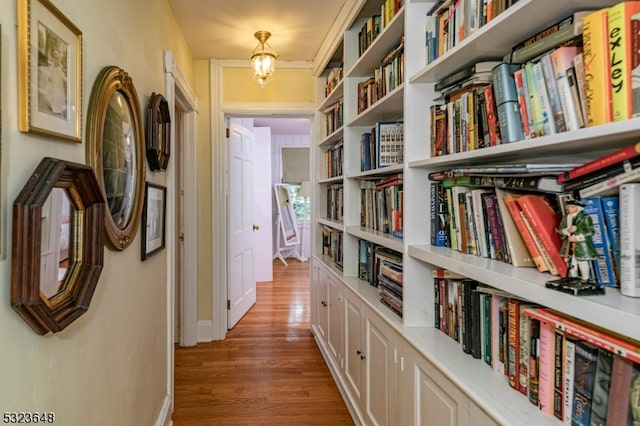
333	97
387	40
336	179
611	311
332	138
389	107
383	171
376	237
331	224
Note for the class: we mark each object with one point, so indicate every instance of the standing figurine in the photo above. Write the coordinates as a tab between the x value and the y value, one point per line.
578	250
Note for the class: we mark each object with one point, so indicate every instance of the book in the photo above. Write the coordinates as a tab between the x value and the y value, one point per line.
574	89
498	305
506	100
635	70
542	96
465	73
480	220
524	102
629	240
600	163
492	116
564	31
619	390
496	231
550	78
602	175
439	215
546	368
534	361
438	130
578	65
569	371
595	38
622	58
510	200
544	220
604	264
585	369
610	186
389	143
523	363
611	211
558	374
601	388
519	254
513	354
562	61
537	113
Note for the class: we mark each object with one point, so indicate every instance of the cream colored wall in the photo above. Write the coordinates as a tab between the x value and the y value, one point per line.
110	366
289	85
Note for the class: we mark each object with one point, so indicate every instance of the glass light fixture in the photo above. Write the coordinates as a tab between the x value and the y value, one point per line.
263	59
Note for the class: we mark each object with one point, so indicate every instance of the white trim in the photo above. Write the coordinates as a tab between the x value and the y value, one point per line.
219	205
270	109
241	63
164	416
205	331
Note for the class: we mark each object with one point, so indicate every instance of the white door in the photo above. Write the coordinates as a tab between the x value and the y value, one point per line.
241	284
263	238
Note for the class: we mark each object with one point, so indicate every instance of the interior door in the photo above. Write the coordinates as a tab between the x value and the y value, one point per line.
241	283
262	213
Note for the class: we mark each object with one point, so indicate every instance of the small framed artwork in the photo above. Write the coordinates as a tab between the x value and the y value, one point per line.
49	71
153	219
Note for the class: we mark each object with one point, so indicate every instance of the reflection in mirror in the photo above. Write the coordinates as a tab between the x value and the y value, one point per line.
56	225
119	159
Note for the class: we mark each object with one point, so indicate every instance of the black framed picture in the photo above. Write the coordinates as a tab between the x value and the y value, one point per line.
153	219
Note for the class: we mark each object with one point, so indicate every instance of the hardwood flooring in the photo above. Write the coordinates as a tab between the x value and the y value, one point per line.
268	371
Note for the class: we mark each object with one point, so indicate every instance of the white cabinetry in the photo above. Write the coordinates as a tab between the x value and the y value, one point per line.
404	371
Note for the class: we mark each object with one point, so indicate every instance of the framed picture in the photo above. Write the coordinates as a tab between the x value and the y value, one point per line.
49	71
153	219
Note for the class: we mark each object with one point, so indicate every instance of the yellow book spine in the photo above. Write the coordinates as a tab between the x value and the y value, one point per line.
596	59
620	41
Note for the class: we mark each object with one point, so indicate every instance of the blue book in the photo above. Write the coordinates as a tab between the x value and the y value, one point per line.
506	97
584	380
603	265
611	211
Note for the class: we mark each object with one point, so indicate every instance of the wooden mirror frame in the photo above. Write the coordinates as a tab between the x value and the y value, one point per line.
158	132
86	254
110	81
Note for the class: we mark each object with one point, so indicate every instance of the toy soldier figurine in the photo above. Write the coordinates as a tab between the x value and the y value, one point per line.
578	250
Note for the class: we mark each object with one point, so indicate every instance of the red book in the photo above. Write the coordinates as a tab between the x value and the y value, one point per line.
511	202
546	368
544	221
603	162
618	405
492	116
513	354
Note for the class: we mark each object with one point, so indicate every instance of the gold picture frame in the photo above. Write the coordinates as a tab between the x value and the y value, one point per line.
49	71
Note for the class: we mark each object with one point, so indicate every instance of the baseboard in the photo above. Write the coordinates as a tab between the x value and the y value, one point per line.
164	417
337	378
205	331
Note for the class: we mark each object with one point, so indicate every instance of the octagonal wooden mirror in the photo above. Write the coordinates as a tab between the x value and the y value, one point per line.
58	244
115	150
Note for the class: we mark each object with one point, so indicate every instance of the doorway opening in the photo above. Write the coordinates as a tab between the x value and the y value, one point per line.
270	135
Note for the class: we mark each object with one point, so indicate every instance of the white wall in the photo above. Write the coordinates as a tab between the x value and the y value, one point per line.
110	366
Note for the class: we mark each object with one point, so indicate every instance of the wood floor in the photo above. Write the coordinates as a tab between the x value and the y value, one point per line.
268	371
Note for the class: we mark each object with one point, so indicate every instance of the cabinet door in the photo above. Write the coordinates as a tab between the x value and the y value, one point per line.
438	402
335	331
402	399
354	347
322	304
380	342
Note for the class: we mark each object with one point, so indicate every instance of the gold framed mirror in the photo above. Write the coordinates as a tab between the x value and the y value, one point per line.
58	244
115	150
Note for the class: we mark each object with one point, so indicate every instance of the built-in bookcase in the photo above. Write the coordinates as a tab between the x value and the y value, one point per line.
410	102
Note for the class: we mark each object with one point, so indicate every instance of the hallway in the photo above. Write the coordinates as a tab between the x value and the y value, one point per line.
268	371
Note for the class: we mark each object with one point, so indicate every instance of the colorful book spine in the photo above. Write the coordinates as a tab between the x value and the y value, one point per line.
562	60
611	211
551	83
610	186
534	96
497	304
506	99
630	240
546	368
492	116
619	390
595	36
525	349
524	103
512	205
569	371
513	355
545	103
622	59
558	374
585	371
603	265
578	64
603	162
601	387
534	361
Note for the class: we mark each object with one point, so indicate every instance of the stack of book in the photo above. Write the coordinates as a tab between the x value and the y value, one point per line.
381	204
382	267
335	159
332	245
385	78
334	116
566	367
335	202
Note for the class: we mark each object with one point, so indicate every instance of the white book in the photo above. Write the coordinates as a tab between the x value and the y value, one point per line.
545	104
569	359
610	186
478	213
630	240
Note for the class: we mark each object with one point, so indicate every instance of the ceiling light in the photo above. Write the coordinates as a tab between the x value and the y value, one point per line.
263	59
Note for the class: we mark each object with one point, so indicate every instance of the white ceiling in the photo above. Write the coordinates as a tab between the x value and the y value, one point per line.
217	29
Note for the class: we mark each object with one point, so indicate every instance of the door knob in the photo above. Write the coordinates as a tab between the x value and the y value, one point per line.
256	227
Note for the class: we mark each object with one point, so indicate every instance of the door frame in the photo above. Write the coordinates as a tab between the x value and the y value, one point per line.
178	91
220	111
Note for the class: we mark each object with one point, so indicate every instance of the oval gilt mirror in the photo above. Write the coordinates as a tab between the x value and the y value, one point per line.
115	149
58	244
